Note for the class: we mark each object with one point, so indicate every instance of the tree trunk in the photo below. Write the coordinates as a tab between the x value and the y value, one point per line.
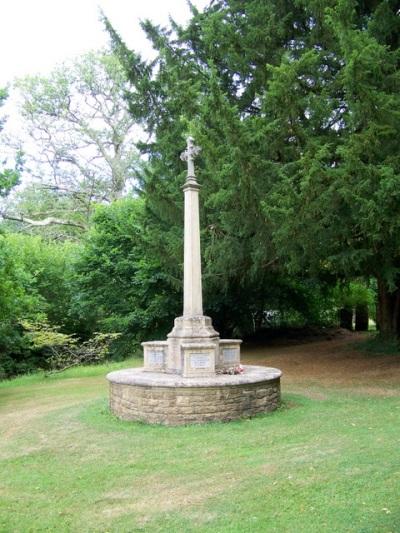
361	317
388	312
346	318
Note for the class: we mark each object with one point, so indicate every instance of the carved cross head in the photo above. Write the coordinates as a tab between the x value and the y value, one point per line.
189	154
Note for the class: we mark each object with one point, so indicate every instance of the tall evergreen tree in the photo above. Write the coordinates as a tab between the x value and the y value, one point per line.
296	107
336	207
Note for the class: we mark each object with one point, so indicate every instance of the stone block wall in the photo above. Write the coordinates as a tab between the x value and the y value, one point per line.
187	405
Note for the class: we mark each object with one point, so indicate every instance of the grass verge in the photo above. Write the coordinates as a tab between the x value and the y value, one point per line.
322	464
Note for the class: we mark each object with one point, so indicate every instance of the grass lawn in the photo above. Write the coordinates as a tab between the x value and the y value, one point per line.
327	461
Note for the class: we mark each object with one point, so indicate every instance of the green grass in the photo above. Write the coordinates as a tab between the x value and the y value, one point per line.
74	372
316	465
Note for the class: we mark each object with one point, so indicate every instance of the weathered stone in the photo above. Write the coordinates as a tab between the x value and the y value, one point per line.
155	355
134	395
193	376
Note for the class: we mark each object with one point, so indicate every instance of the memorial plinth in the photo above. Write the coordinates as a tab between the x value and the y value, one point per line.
193	376
171	399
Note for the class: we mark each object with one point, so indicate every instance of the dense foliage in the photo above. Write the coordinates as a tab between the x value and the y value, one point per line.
121	286
296	106
35	285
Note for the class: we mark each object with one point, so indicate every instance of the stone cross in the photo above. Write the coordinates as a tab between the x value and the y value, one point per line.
188	155
192	289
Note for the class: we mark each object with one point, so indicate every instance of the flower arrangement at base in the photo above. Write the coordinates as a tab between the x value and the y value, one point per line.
233	370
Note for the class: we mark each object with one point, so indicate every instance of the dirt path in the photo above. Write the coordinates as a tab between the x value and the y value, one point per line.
337	362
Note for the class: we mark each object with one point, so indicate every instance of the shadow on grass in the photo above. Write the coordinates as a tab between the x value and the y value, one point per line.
376	345
97	414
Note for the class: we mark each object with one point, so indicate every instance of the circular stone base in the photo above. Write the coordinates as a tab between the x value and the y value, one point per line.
159	398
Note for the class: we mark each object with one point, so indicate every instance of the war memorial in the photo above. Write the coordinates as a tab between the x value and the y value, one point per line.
193	376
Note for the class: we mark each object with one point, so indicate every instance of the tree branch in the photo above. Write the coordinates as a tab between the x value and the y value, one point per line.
75	193
44	222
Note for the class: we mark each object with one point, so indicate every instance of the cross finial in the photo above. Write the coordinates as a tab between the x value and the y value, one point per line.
189	154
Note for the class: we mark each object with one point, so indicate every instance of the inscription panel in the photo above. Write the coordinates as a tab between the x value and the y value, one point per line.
156	357
200	360
230	355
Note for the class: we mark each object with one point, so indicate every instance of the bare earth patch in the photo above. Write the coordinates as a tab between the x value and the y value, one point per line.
337	362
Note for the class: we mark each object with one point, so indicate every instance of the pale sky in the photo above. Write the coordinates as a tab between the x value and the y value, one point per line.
37	34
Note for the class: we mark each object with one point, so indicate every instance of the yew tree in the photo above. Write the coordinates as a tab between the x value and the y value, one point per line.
296	106
336	205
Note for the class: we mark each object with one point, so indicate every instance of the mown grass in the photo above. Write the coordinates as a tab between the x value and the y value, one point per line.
324	462
73	372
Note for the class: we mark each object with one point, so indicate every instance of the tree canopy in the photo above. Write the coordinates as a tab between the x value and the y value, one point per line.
9	177
296	106
79	141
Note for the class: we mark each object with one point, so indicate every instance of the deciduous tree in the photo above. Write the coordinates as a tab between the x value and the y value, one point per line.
80	139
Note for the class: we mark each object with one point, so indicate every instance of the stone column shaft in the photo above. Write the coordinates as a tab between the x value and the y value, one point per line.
192	289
